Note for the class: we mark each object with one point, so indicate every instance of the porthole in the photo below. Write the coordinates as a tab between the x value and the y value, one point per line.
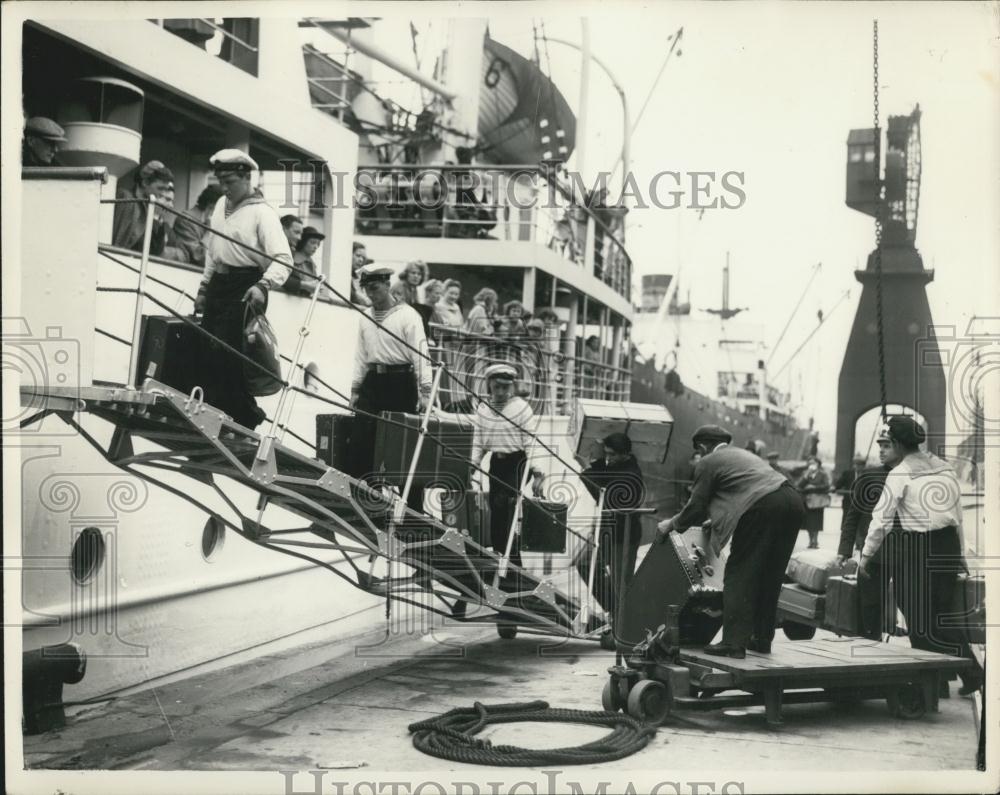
88	554
212	537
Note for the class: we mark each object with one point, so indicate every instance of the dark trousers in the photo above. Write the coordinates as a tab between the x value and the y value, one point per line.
395	391
614	566
221	370
506	473
924	569
761	546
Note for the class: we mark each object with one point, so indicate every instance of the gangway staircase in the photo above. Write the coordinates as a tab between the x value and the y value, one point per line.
343	514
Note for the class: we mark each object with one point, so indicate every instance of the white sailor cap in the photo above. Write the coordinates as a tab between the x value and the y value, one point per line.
501	372
232	160
373	273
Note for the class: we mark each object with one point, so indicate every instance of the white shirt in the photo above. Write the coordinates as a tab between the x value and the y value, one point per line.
377	347
255	224
495	432
923	491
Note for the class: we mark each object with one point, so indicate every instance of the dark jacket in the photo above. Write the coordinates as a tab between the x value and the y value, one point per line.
622	483
858	507
727	482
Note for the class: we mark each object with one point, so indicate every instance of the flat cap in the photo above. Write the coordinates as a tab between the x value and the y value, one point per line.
906	430
773	455
711	433
312	231
41	127
155	169
500	372
233	160
373	273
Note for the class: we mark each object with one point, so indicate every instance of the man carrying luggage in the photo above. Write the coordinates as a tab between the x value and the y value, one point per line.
618	473
760	512
918	523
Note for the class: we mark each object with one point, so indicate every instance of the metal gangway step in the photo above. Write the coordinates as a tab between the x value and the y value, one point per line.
342	514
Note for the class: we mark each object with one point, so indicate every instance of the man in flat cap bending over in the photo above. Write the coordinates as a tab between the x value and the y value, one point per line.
756	507
917	521
235	277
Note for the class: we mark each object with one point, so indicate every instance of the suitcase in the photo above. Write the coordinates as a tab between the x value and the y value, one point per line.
543	526
811	568
444	468
333	437
969	608
797	602
647	426
469	513
170	351
843	605
672	573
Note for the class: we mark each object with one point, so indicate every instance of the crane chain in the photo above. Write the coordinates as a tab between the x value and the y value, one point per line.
879	211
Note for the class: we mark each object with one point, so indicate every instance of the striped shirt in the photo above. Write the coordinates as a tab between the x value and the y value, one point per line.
255	224
378	347
495	430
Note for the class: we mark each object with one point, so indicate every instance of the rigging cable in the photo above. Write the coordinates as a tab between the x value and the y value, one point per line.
781	336
805	342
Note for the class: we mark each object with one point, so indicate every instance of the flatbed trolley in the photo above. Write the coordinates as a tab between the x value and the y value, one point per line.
661	677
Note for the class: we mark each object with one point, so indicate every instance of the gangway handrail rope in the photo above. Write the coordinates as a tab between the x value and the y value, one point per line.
247	360
359	310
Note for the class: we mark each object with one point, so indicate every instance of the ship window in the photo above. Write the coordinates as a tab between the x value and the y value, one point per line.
235	40
88	554
212	537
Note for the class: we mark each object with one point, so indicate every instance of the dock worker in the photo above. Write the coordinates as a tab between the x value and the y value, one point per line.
618	473
918	521
42	138
758	512
859	503
237	278
496	431
391	369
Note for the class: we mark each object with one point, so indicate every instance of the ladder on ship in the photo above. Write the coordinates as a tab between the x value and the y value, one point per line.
343	514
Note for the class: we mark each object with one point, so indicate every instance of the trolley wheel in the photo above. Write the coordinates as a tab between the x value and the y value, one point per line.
611	698
906	702
796	631
506	630
649	701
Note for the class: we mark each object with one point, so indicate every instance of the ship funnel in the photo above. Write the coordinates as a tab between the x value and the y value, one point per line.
102	117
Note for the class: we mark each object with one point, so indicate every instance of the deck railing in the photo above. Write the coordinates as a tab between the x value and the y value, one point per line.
510	203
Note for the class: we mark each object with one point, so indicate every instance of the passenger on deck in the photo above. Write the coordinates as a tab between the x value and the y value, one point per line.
308	245
591	367
433	290
406	289
512	324
919	524
502	428
153	179
190	239
482	315
759	512
359	258
618	473
292	225
41	143
447	311
237	277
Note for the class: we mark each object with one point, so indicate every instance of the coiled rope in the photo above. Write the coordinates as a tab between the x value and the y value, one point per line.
451	735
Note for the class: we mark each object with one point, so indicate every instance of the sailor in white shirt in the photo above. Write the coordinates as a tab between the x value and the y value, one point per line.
391	369
237	277
918	522
497	432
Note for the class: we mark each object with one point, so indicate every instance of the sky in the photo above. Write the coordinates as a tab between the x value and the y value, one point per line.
771	90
